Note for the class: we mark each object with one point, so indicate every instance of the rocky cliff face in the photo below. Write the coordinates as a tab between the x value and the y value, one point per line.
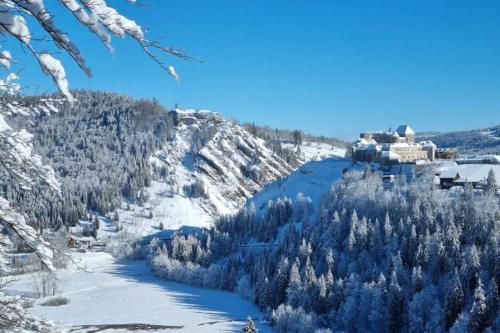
111	152
209	166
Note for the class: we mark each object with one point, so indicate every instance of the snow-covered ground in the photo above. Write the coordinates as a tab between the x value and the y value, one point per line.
313	180
316	151
172	211
117	294
470	172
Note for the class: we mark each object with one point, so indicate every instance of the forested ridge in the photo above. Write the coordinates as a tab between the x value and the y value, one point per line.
98	148
106	148
480	141
410	259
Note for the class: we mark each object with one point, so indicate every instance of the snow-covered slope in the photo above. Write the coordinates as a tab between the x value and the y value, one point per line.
208	168
316	151
313	180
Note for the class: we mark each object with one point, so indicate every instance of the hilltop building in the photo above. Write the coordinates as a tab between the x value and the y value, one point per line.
392	147
446	153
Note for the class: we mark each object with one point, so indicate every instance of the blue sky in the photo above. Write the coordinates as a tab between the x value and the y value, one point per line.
324	66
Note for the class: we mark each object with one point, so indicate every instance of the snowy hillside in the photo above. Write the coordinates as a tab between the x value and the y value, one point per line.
111	152
316	151
411	247
313	180
208	168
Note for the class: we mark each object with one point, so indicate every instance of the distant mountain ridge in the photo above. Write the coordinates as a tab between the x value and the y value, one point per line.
477	141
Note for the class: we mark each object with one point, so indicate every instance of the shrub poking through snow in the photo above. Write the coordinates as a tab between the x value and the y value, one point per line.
56	301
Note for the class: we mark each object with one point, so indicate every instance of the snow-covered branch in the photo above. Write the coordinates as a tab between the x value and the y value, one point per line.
104	21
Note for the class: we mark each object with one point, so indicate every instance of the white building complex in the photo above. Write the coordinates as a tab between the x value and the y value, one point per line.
392	147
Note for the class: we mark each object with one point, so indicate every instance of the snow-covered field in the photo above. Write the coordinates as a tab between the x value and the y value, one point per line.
113	295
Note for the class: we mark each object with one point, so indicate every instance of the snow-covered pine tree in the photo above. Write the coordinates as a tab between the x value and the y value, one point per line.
249	326
478	316
294	290
454	299
491	183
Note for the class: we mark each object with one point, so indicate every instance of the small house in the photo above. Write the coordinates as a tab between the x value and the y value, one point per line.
474	174
448	179
80	242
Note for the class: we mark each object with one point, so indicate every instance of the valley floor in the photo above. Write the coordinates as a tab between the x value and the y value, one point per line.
118	296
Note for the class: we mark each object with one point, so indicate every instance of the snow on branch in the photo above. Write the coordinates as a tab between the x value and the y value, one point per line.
36	9
96	15
56	70
17	224
15	318
16	156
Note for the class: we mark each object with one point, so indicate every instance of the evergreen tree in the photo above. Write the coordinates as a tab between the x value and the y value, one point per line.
329	261
472	265
249	327
297	137
309	285
351	240
454	299
417	279
478	316
282	280
387	228
396	305
491	183
294	290
262	291
492	301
